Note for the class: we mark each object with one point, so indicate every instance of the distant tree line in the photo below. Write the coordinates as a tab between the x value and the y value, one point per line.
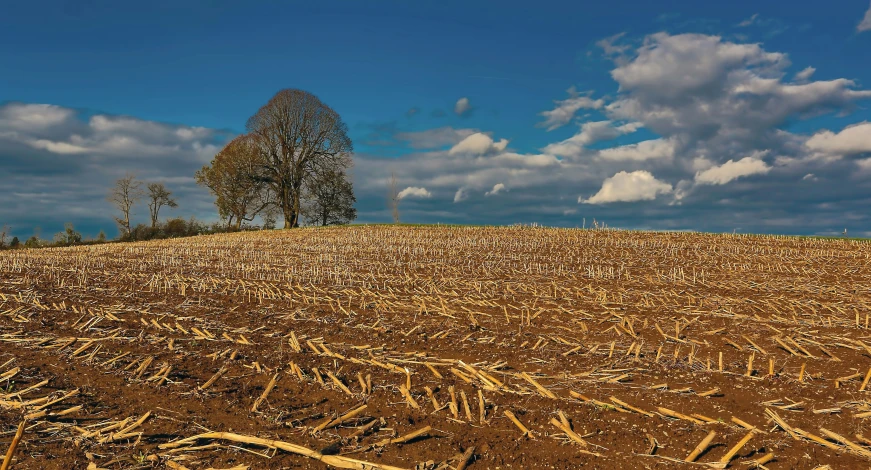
292	163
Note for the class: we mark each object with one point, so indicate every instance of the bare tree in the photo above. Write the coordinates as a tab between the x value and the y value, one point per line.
233	178
158	196
393	198
124	195
4	232
296	136
329	199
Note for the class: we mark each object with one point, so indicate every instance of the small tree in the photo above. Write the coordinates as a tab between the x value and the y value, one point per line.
101	237
4	232
69	236
393	198
232	177
126	192
15	243
329	199
158	196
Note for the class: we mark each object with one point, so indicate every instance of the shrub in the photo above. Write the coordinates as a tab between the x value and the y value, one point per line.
174	228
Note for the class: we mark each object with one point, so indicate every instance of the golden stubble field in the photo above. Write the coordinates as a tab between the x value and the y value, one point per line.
438	347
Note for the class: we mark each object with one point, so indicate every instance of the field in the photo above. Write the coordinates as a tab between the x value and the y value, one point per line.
438	347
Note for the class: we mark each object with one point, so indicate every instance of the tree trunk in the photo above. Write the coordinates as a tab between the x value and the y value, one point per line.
295	206
238	224
288	216
285	201
290	207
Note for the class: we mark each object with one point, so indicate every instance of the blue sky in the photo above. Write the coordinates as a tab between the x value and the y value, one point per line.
695	117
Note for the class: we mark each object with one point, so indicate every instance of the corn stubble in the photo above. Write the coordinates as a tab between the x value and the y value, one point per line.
439	347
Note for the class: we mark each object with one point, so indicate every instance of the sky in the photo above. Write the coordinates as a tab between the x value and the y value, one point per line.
748	117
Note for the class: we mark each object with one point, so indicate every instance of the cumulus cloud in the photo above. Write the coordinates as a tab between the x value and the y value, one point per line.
478	144
67	160
645	150
33	117
60	131
706	107
732	170
591	132
497	188
413	191
852	140
717	93
462	106
865	24
629	187
565	109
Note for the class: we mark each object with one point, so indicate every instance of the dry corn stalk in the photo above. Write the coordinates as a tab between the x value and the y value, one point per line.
332	460
265	393
10	453
519	425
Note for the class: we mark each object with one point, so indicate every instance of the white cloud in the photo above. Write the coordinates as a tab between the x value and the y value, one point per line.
462	106
865	24
629	187
566	109
497	188
413	191
60	131
56	147
478	144
718	94
720	99
809	177
705	104
590	133
732	170
645	150
70	159
852	140
461	195
673	66
805	74
33	117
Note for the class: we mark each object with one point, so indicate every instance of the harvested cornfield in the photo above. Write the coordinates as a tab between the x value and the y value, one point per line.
438	347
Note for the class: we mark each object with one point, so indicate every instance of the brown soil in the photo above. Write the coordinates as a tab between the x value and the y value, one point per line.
640	341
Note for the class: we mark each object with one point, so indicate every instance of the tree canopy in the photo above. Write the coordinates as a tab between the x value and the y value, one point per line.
297	137
233	177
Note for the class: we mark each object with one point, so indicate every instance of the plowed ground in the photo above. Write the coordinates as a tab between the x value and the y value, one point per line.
426	347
